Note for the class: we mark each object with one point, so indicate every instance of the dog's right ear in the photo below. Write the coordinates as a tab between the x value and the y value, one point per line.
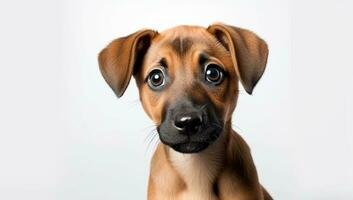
119	60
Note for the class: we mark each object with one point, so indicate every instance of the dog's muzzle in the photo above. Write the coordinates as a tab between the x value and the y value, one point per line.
189	128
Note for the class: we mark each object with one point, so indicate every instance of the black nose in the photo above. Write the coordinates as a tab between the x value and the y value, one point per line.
188	123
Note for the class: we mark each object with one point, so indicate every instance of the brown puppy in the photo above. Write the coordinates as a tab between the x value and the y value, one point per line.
188	83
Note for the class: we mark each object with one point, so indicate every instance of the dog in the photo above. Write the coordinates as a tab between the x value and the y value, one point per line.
188	79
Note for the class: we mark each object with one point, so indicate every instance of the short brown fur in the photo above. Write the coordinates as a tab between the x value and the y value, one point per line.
227	164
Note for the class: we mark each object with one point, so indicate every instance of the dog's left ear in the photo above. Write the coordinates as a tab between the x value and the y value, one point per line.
248	51
119	60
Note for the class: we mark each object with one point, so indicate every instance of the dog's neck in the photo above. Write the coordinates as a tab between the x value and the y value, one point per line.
200	170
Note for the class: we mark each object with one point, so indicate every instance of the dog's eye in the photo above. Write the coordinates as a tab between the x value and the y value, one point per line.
156	79
213	74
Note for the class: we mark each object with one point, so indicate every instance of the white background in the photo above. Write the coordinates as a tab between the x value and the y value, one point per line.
64	135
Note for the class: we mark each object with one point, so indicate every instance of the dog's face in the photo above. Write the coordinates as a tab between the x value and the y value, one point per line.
187	78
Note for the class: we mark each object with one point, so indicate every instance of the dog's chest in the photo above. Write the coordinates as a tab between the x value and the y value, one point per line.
199	172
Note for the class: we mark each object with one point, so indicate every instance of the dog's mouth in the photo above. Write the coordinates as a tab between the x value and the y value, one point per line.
190	147
191	144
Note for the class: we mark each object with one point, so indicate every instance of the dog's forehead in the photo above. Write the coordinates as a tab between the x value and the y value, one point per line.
183	45
183	31
179	41
182	38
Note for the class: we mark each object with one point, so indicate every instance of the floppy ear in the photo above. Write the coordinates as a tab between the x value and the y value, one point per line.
119	60
248	51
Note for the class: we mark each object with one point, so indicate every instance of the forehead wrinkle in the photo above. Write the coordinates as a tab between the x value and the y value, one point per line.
181	45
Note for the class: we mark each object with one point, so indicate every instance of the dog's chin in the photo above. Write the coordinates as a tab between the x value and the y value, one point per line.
190	147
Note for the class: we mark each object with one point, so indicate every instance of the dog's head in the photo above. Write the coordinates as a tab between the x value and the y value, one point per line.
187	77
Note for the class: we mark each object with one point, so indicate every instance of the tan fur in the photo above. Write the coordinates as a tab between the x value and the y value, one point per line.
225	170
226	166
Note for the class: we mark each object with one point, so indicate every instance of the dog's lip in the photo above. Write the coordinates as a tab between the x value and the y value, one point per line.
214	132
190	147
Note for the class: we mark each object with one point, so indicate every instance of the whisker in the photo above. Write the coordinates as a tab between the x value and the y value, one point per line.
156	141
151	139
151	127
152	144
150	134
237	127
203	106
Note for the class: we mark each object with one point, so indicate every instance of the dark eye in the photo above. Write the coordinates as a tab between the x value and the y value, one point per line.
156	79
214	74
